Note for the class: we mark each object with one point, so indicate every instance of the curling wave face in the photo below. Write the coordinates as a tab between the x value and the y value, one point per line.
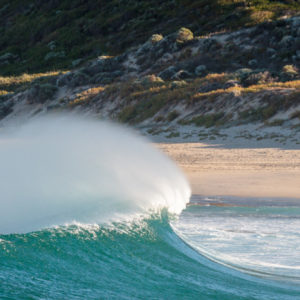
60	170
88	208
140	259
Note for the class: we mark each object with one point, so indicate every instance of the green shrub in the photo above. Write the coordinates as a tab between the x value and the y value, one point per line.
85	29
259	114
159	118
173	135
277	122
295	114
39	93
209	120
172	115
151	80
127	114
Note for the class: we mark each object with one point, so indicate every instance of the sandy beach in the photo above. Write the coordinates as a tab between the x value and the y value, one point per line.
243	172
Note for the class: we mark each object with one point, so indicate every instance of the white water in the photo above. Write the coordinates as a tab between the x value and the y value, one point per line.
62	169
262	240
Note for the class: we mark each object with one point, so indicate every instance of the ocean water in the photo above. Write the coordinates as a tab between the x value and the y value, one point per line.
262	239
90	210
142	259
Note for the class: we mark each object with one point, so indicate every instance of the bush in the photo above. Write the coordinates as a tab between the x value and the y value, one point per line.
155	38
295	114
173	135
151	80
209	120
257	78
289	72
159	118
178	84
41	93
276	122
5	109
200	70
184	35
172	115
290	69
259	114
167	73
127	114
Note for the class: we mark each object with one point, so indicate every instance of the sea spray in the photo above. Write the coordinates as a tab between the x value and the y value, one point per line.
62	169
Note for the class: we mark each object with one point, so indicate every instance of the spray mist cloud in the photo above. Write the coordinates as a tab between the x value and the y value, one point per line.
61	169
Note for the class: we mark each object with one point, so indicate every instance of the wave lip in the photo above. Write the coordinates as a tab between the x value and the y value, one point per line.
63	169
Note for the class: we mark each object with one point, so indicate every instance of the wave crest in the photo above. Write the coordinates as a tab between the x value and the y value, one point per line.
62	169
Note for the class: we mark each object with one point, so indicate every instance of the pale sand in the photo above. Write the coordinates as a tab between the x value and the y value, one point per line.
263	172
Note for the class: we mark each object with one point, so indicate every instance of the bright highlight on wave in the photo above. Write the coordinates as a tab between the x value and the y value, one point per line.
62	169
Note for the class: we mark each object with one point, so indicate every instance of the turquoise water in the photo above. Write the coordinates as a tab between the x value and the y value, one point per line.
90	210
136	260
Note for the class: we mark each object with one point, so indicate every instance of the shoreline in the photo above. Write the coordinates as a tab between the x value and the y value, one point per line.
251	202
239	172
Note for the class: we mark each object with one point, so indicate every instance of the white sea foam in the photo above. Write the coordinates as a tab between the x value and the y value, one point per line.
255	240
63	169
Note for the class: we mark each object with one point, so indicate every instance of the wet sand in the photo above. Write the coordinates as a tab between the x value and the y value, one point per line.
243	172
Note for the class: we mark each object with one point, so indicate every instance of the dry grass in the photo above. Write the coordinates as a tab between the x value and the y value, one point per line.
87	95
260	16
24	78
215	77
273	86
169	92
3	92
234	90
252	89
140	102
152	90
135	91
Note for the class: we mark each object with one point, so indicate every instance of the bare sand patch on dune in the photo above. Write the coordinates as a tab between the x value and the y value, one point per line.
245	172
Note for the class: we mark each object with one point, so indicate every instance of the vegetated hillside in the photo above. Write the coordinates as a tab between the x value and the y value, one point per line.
39	36
249	76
